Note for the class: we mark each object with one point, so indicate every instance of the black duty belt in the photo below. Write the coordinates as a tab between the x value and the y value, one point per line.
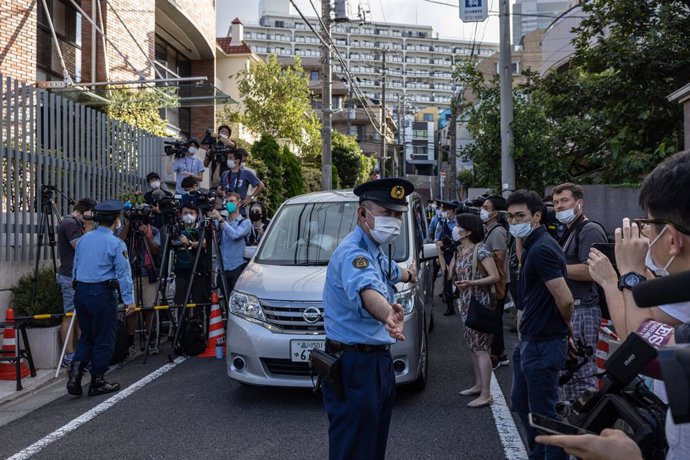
332	345
110	284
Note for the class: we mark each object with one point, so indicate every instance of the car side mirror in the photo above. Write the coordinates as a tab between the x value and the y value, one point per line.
249	252
429	252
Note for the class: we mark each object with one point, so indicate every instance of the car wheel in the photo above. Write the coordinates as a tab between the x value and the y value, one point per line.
421	381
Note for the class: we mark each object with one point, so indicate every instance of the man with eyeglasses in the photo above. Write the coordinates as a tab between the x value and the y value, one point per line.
657	245
547	309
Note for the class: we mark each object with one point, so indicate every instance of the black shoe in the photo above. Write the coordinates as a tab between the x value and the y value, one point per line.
449	312
100	387
76	372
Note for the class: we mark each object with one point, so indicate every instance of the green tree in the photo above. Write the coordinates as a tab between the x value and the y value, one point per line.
347	156
277	101
267	151
141	107
312	178
538	159
292	174
610	106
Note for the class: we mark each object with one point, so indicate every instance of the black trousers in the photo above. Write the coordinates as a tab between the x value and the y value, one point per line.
231	277
498	346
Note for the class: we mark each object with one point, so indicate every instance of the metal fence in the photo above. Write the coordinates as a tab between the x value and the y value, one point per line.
49	140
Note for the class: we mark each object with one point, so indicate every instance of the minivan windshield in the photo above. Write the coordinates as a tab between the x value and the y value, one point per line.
307	234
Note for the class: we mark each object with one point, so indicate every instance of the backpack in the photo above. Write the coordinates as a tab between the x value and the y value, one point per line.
500	266
192	338
603	305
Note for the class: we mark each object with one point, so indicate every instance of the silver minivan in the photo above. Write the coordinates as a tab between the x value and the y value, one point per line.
276	308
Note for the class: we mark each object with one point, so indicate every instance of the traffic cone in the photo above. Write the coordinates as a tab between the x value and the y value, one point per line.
216	330
602	353
8	370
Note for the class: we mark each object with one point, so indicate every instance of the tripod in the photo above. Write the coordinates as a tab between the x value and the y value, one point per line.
204	235
139	249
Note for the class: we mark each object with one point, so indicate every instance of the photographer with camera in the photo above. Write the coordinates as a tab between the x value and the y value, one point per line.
69	231
446	246
238	180
187	165
154	196
185	245
234	231
579	236
143	245
219	143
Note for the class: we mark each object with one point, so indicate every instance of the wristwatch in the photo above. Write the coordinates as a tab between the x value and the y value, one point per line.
630	280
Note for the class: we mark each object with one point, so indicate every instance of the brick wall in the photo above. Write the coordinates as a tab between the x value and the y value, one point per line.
203	117
18	39
140	18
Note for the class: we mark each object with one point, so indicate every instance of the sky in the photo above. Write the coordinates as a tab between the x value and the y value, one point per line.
444	19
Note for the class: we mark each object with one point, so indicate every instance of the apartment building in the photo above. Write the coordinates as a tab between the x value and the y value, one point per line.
418	61
529	15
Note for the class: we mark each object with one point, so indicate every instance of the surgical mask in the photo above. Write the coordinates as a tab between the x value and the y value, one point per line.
439	213
386	228
457	233
192	150
567	216
446	214
649	259
230	163
231	206
188	219
155	184
522	230
223	136
484	215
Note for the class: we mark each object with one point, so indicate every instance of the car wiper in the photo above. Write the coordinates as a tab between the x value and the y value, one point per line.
307	264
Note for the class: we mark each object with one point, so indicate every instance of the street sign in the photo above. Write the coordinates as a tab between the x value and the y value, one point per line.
473	10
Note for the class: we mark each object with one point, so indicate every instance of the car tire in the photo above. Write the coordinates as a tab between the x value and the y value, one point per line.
423	378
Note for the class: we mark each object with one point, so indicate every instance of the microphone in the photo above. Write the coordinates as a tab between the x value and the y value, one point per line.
663	291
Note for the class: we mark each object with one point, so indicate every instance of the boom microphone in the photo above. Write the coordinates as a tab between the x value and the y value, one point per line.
662	291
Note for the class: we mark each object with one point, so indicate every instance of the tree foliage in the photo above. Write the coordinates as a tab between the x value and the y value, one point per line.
267	151
277	101
141	107
292	174
538	159
610	107
347	156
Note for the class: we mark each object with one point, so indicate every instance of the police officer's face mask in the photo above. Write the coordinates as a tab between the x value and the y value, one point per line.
386	228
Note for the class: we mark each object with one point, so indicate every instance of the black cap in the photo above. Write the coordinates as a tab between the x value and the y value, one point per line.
86	203
389	193
449	204
152	175
109	207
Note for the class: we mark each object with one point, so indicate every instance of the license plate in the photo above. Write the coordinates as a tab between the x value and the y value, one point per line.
300	349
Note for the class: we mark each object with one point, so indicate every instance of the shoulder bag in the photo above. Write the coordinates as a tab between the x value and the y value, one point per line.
481	318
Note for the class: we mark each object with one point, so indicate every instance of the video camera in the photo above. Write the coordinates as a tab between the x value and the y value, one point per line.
583	353
204	201
472	205
139	214
553	226
178	149
217	150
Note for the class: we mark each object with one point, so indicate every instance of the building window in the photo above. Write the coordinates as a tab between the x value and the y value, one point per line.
419	134
314	75
428	117
172	63
67	23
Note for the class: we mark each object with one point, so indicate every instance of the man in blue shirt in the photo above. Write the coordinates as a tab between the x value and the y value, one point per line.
546	321
100	264
233	231
237	180
187	166
362	321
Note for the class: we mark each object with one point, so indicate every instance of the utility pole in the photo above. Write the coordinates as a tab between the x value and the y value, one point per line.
382	160
402	128
506	74
326	98
452	176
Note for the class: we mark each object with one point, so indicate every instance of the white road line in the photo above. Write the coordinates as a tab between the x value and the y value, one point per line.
91	414
507	431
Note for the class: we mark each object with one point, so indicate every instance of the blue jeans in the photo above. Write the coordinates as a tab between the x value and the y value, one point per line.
536	365
65	283
96	307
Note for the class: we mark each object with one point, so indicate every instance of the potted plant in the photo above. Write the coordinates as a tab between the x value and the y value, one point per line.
44	335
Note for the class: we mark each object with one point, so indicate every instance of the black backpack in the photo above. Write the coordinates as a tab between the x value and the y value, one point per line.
192	337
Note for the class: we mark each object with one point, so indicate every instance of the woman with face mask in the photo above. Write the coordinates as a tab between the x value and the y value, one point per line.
186	248
475	272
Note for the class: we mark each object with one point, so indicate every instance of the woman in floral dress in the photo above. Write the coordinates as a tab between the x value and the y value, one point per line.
470	232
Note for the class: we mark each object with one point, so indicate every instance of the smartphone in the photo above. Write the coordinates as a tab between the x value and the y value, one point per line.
553	426
609	250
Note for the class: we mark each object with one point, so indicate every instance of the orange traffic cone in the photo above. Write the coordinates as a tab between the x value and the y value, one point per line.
602	352
8	370
216	330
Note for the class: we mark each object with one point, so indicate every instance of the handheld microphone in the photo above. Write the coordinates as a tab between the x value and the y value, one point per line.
662	291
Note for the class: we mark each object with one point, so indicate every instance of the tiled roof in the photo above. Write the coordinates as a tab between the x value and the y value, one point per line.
230	48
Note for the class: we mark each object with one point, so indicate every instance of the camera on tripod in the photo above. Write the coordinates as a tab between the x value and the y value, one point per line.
140	214
217	150
205	202
178	149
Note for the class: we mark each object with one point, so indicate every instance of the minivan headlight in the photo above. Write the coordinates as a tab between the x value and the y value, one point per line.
406	299
246	305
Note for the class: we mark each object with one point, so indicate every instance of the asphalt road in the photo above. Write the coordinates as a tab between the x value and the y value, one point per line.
195	411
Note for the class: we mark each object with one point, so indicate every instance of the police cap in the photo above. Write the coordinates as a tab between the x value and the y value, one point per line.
389	193
449	204
109	207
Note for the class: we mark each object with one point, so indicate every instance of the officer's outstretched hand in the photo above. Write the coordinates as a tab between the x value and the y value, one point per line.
129	309
396	321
